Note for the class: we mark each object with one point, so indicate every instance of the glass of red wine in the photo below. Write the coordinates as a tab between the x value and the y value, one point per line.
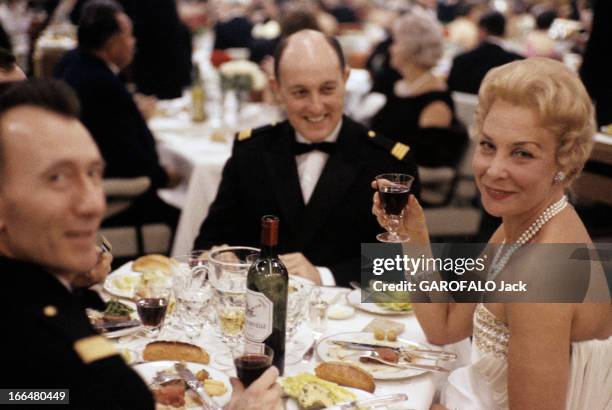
393	190
251	362
152	300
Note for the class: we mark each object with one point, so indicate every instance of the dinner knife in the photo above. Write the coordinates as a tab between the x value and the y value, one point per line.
194	384
117	324
425	353
368	403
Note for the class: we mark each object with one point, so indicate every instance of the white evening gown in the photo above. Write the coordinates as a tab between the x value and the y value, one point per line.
482	385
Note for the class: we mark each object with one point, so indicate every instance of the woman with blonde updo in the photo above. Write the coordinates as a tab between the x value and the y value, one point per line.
534	125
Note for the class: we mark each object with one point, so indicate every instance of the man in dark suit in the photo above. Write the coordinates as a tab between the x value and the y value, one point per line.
313	170
162	61
469	68
595	69
5	41
9	70
106	46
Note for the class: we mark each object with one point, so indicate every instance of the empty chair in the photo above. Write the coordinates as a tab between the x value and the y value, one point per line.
137	238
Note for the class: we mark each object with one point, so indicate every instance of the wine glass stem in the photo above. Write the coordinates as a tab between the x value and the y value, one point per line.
392	224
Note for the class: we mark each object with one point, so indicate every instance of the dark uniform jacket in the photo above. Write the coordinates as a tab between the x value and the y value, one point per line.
50	344
261	178
112	117
469	68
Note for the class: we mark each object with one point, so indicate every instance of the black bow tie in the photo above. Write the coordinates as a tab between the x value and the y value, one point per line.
327	147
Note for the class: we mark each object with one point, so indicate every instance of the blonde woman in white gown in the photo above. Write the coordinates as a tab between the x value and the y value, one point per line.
534	126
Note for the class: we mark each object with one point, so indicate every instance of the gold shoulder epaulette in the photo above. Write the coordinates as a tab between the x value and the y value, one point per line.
245	134
400	150
397	149
94	348
249	132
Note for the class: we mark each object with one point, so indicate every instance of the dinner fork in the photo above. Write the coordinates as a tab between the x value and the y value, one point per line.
163	376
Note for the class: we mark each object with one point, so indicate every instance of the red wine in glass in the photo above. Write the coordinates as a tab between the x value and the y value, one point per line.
394	198
393	191
152	310
250	366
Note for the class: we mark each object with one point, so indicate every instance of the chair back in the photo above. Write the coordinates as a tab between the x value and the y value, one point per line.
133	239
120	193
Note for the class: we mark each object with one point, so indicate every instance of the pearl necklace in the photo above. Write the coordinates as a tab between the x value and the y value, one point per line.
499	261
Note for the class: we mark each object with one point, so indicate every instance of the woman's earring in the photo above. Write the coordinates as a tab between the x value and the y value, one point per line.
559	177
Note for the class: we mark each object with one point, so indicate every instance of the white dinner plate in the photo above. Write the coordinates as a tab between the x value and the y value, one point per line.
354	299
122	282
328	352
148	371
292	404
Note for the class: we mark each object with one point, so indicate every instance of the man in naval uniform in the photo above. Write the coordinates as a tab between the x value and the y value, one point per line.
51	205
313	170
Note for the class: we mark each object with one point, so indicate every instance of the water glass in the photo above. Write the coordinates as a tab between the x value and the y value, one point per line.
230	314
317	313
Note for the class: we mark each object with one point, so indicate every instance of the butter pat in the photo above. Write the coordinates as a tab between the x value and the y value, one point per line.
340	312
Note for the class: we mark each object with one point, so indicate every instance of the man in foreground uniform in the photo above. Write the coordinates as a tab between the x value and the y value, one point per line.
313	170
51	204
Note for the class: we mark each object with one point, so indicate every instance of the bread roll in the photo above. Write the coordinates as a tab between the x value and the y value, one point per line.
162	350
346	374
153	264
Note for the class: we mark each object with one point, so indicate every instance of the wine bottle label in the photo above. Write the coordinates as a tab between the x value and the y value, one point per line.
259	314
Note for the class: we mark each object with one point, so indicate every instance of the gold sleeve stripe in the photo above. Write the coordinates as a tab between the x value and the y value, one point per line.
400	150
244	134
94	348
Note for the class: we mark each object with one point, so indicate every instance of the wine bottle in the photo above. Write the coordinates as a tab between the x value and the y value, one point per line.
266	297
198	97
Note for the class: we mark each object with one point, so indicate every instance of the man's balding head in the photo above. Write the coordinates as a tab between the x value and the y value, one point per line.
310	77
307	44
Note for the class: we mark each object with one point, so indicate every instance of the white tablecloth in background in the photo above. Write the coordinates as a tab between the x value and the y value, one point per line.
187	147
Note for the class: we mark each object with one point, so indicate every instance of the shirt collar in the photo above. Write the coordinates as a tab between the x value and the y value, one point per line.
498	41
64	282
330	138
113	68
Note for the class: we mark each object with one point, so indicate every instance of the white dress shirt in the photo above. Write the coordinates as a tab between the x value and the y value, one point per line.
310	166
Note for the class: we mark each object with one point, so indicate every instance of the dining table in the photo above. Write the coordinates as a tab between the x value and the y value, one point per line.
421	389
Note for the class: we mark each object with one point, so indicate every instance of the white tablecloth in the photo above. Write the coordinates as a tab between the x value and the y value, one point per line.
421	390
